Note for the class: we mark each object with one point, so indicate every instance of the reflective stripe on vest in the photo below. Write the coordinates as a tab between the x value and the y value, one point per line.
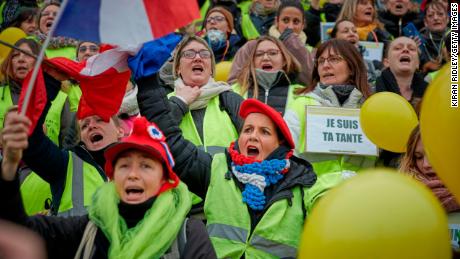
228	221
212	150
240	235
218	128
52	120
82	181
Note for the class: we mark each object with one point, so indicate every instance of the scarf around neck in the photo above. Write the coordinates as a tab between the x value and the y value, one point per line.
365	30
152	235
208	91
273	31
257	175
326	96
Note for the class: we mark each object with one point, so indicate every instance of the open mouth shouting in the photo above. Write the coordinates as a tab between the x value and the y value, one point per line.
96	140
198	69
368	13
133	193
405	60
252	151
267	67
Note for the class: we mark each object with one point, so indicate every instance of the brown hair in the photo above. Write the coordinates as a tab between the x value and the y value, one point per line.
7	66
408	161
354	61
335	29
247	78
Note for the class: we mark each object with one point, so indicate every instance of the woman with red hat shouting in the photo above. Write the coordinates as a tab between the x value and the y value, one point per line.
141	213
257	193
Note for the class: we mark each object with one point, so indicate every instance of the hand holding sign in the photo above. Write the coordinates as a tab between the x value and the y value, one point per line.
387	120
378	213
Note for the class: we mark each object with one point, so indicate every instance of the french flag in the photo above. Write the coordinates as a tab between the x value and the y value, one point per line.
125	22
102	79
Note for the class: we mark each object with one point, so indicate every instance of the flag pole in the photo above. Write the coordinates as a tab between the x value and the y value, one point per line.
18	49
40	57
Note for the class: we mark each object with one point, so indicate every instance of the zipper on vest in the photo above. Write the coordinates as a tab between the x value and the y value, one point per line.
266	96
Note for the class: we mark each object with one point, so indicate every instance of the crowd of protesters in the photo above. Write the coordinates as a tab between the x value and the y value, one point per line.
193	167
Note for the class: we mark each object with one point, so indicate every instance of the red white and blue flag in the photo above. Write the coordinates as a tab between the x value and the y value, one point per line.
125	22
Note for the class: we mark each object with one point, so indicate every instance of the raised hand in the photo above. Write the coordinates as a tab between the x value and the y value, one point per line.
14	141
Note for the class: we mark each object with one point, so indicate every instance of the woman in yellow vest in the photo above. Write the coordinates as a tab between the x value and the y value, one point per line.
140	214
15	68
206	110
339	80
269	74
257	193
257	18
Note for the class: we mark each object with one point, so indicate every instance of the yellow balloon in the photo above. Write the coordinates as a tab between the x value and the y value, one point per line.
440	130
223	71
387	120
377	214
10	35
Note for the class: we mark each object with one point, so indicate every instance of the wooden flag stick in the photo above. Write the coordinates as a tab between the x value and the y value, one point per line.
40	57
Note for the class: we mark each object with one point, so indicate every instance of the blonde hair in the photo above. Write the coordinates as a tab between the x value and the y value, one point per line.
349	8
247	78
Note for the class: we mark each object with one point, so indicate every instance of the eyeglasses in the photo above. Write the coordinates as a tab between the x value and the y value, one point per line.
91	48
215	18
270	53
332	60
190	54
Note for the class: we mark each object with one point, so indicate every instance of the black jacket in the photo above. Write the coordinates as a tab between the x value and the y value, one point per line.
277	96
48	160
63	235
387	83
395	24
194	166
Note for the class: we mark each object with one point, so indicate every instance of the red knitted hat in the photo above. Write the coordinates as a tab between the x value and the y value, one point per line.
255	106
147	137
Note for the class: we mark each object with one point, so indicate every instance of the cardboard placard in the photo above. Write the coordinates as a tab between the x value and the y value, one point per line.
336	131
324	27
374	50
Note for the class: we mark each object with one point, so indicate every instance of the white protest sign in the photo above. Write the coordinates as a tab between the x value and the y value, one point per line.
374	50
324	27
336	131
